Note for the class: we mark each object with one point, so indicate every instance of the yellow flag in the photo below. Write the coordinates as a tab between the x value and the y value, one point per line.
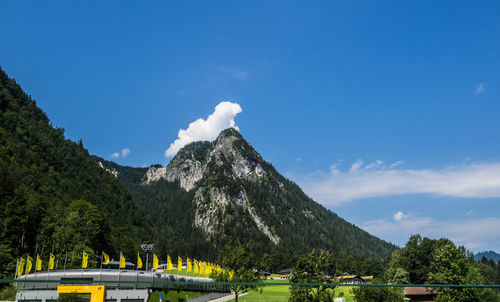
231	273
169	264
179	264
196	268
106	258
20	267
189	267
139	261
51	261
155	261
202	268
29	265
122	260
85	260
38	266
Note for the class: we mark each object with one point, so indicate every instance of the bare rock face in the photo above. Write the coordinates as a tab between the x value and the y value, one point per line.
112	171
187	171
155	173
211	207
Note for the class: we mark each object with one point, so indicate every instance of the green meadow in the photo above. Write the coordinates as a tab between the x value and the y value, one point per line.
282	293
269	293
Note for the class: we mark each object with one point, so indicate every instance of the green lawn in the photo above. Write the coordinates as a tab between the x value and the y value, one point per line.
347	290
282	293
269	293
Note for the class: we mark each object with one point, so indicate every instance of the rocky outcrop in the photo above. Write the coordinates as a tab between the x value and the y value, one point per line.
112	171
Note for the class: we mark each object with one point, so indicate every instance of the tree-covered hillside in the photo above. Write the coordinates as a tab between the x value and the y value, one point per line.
53	195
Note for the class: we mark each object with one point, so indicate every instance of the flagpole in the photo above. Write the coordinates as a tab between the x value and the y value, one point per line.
102	256
17	268
48	270
26	267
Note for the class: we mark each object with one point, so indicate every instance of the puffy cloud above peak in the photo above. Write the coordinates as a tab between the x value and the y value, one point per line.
206	130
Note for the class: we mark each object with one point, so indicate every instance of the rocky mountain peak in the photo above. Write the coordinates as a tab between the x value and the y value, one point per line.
229	150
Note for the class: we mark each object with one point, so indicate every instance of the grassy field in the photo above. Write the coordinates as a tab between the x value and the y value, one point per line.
281	293
269	293
173	296
347	290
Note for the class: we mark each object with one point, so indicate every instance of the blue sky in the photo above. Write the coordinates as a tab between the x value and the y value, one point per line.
385	112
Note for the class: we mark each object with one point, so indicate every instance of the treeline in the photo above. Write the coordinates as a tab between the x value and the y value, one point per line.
440	261
53	196
422	261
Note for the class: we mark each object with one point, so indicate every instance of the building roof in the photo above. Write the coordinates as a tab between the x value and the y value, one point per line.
285	271
349	277
419	290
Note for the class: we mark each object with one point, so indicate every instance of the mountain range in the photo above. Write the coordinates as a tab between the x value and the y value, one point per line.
490	255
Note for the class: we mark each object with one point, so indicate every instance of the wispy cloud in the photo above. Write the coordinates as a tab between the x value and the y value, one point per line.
115	155
206	130
480	180
474	234
480	88
235	73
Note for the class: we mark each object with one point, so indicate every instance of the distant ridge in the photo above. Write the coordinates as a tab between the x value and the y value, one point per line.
489	255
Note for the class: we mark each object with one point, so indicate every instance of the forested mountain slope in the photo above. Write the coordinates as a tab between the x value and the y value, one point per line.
53	195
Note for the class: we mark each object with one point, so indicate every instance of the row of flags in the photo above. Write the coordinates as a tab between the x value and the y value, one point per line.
21	270
194	266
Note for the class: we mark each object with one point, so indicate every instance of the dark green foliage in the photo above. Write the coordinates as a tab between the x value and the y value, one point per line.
443	263
52	191
242	261
377	294
169	211
415	258
316	267
8	293
449	266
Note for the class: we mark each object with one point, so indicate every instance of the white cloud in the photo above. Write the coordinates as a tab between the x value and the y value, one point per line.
472	233
115	155
399	215
235	73
479	180
206	130
480	88
125	152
